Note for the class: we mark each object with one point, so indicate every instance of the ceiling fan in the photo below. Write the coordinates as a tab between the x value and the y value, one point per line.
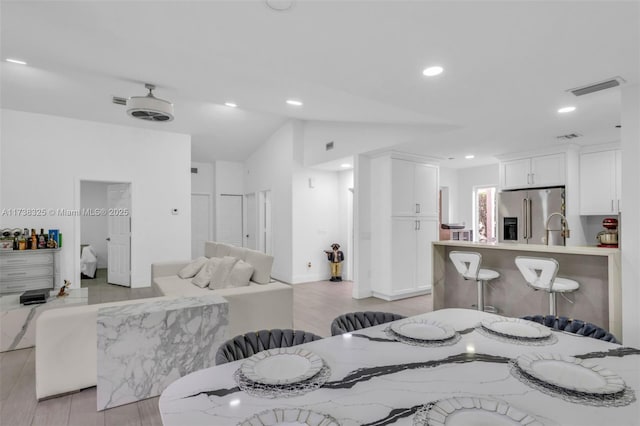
147	107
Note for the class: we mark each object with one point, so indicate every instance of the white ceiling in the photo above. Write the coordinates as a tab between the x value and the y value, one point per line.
507	67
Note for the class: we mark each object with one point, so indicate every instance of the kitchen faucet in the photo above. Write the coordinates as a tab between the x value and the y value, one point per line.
565	231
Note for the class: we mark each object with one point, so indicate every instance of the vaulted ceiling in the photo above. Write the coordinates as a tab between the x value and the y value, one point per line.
507	68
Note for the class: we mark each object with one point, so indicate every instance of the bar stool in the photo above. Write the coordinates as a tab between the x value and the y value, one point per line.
546	278
468	264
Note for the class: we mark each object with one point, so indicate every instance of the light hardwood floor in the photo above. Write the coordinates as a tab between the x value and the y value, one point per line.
315	306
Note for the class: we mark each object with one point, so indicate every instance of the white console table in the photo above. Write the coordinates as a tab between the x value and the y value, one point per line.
18	322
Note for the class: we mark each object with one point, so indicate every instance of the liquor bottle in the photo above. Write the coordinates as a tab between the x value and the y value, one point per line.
42	243
34	239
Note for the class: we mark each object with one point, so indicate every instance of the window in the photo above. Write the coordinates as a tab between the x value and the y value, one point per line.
484	214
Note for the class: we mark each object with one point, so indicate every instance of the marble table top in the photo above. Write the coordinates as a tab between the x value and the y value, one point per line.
375	380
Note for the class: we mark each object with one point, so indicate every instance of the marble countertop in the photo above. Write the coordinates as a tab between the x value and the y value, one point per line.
375	380
584	250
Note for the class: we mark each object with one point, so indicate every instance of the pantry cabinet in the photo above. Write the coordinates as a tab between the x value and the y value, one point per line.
405	223
600	182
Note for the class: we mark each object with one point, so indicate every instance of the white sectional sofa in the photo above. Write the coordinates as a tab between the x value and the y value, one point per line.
66	339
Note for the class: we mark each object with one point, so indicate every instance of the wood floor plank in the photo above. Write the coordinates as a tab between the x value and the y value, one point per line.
11	365
53	412
125	415
20	405
83	409
149	412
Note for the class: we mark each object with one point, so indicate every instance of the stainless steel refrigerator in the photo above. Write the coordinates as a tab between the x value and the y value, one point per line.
522	215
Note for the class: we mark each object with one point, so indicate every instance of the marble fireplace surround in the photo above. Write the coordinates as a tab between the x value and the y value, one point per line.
144	347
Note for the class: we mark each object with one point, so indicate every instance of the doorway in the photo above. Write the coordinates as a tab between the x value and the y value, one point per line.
105	231
265	238
484	214
251	221
229	220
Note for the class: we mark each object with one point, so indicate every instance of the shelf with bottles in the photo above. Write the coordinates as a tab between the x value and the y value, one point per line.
23	239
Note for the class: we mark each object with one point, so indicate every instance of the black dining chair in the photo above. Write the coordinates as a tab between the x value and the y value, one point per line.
353	321
573	326
246	345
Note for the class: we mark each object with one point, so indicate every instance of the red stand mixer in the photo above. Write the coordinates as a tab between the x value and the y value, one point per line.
608	237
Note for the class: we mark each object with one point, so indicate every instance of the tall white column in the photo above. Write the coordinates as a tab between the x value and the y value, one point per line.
630	223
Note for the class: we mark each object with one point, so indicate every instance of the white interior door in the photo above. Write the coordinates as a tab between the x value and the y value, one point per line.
229	223
264	223
200	223
119	238
251	233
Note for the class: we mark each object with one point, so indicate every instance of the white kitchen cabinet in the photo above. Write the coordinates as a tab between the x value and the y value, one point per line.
404	223
409	272
530	172
412	189
600	181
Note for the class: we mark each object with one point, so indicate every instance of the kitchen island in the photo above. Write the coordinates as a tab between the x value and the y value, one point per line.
598	300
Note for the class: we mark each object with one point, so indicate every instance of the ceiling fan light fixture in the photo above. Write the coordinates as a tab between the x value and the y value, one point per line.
149	107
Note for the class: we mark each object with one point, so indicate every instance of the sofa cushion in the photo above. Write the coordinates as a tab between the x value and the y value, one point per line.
240	275
238	252
204	276
192	268
210	248
261	263
222	272
223	249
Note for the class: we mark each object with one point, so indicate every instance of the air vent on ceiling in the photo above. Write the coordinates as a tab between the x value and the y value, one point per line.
596	87
568	136
120	101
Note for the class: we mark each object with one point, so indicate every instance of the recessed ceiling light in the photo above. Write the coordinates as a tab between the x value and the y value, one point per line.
294	102
566	109
433	71
16	61
469	157
345	165
231	104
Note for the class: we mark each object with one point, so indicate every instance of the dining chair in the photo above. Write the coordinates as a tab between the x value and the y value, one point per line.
353	321
573	326
246	345
469	266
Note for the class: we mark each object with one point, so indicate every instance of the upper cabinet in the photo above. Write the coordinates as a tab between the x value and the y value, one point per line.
414	189
538	171
600	181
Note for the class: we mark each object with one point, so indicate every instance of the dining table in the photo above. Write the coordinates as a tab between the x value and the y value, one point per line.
484	369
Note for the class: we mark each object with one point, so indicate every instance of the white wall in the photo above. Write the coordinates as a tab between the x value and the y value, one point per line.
156	163
94	229
449	179
203	181
467	180
345	217
630	231
316	222
270	167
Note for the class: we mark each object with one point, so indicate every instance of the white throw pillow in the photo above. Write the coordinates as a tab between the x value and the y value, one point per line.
192	268
240	275
221	273
204	276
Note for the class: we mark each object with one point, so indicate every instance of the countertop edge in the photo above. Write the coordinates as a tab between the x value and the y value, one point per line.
585	250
